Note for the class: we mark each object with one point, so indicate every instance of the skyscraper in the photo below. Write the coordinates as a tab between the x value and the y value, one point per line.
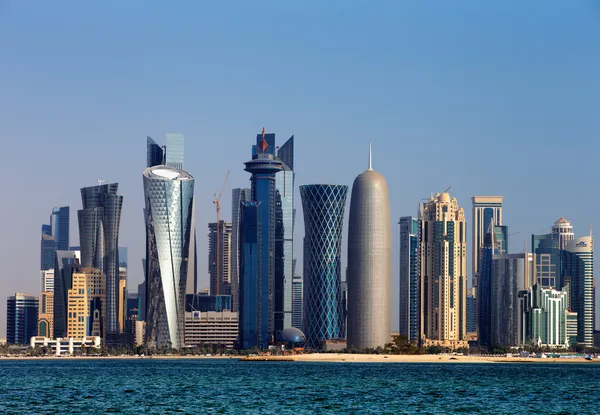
174	156
220	278
486	210
509	276
323	207
263	167
495	244
410	276
254	290
154	153
443	273
86	299
237	197
548	260
562	230
169	200
579	266
297	291
369	262
284	236
99	222
65	264
55	236
21	318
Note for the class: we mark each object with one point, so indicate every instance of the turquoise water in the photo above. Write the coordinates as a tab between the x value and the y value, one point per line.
228	386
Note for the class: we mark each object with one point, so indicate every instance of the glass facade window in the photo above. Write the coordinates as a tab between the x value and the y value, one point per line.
323	207
237	197
174	154
21	318
410	275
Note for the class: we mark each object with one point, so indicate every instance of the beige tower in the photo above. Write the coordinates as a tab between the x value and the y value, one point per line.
444	273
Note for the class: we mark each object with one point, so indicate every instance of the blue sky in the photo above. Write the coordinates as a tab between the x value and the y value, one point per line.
486	97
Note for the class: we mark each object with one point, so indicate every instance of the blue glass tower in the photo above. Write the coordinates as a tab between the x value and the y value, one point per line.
284	236
55	236
263	167
323	207
410	276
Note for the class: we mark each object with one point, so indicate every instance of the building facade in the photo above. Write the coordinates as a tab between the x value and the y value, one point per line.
46	315
169	197
21	318
546	319
579	267
410	276
548	260
55	236
99	222
297	299
323	207
284	236
219	257
369	262
211	328
263	167
66	263
237	197
86	299
443	273
562	230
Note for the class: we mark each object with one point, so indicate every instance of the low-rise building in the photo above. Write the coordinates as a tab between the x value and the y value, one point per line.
211	328
62	346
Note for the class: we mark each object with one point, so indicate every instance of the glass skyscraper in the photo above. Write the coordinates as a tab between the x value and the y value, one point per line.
99	222
297	291
410	276
237	197
263	167
323	207
21	318
579	267
55	236
548	260
284	236
169	200
174	156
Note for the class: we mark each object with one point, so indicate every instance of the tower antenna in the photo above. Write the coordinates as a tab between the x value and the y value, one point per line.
370	158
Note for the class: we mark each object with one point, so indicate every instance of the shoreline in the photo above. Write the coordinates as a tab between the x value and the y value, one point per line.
332	358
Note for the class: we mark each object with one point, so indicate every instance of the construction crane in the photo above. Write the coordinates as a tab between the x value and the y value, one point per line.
217	201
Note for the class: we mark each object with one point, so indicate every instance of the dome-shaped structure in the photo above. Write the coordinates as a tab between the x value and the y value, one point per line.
292	336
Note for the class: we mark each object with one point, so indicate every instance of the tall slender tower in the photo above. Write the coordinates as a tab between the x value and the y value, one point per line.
323	206
562	230
237	197
263	167
369	262
410	276
169	201
444	273
220	282
99	222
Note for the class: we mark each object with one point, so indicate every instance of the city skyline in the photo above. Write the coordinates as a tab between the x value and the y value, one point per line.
119	125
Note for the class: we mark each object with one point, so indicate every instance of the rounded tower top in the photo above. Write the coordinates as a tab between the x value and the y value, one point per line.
161	172
444	197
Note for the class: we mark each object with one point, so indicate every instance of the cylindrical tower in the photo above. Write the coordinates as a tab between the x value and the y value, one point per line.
169	197
323	207
369	262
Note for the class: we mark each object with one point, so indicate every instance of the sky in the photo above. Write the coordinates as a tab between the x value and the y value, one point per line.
491	98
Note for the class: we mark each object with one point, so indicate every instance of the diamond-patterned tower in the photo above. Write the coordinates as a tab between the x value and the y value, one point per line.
169	197
323	207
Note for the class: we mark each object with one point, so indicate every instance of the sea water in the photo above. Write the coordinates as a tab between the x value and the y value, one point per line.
197	386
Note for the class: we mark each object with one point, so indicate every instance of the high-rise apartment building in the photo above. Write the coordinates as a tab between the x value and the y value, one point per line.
169	201
369	262
99	222
21	318
55	236
86	299
237	197
323	207
486	210
546	319
297	291
471	325
443	273
579	267
219	268
65	264
260	324
47	280
284	236
410	277
562	230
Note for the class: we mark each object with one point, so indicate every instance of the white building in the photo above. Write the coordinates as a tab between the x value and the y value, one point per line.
63	346
47	280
